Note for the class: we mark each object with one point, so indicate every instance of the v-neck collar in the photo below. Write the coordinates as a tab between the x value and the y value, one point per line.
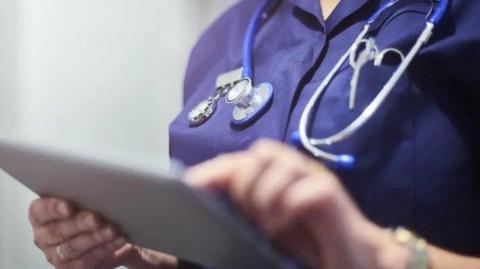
310	6
343	10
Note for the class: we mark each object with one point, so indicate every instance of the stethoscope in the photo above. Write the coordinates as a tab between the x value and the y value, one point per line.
250	101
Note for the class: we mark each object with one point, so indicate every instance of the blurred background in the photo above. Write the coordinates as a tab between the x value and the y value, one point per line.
91	76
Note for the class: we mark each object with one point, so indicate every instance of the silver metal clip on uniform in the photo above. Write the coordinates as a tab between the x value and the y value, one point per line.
205	109
357	62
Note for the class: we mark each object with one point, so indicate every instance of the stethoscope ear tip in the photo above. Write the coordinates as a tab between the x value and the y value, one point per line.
346	161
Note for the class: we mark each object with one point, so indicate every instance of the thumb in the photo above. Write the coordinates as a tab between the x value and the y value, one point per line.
124	256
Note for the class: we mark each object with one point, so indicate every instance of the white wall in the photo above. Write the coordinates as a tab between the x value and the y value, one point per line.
102	76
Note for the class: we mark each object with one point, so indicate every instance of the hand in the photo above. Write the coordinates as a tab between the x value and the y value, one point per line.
76	239
301	205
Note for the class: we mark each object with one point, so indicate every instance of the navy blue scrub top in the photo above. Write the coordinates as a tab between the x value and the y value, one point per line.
418	157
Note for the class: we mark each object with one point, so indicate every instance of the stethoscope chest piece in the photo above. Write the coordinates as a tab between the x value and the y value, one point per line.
250	101
202	112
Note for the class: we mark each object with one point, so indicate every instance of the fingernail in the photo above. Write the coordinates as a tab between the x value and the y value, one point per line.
63	209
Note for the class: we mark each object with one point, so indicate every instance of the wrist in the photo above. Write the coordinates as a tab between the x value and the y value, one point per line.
366	246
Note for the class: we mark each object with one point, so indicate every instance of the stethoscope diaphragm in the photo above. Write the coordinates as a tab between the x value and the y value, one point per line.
250	101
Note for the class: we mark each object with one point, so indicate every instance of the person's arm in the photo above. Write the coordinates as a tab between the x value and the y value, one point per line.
441	259
304	209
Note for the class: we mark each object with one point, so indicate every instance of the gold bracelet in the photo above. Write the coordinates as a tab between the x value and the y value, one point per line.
416	245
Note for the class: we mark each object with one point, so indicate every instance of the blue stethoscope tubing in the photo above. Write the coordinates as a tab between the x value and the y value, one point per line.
348	161
260	12
251	100
250	36
311	145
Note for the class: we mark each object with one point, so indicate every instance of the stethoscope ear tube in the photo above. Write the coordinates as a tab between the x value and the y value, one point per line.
255	99
439	11
439	7
250	101
386	11
346	160
250	36
343	161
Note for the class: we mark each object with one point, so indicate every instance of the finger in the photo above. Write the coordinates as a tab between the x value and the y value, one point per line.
57	232
231	173
243	182
253	165
214	174
95	257
110	255
271	187
83	243
126	255
307	196
135	257
277	181
286	165
45	210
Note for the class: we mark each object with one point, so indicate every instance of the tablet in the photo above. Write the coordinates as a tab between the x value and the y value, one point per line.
153	208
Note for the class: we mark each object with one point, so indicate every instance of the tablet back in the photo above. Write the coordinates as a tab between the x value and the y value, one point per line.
154	209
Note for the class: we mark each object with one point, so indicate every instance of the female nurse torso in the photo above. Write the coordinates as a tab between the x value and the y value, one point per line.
417	157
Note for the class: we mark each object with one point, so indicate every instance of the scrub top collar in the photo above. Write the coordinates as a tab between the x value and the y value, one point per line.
310	6
344	9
